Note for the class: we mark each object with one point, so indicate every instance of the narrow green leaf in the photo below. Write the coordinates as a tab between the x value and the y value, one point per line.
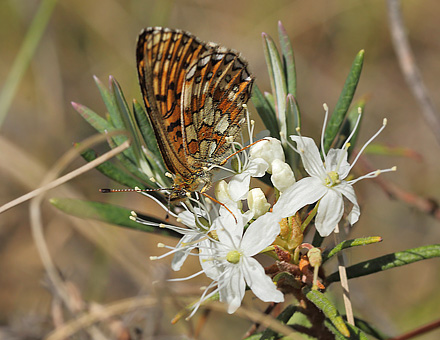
135	152
109	213
288	59
269	62
146	130
271	100
350	243
279	81
110	104
388	261
365	327
100	124
355	333
283	317
293	121
113	172
344	101
329	310
266	112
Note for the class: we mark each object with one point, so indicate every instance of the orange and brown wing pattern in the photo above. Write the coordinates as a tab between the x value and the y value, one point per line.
194	94
214	91
163	57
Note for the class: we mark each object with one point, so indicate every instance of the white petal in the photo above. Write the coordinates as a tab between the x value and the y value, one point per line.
257	167
257	202
232	288
260	234
310	156
239	186
347	190
282	175
336	160
180	257
187	218
268	149
211	267
330	210
229	226
306	191
261	284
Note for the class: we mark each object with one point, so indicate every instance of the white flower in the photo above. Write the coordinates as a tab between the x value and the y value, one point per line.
326	184
268	149
282	175
239	184
230	263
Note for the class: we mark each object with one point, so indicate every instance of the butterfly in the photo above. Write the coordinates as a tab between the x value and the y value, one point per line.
194	94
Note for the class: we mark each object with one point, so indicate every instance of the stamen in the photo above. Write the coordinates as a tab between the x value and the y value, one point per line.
384	123
323	130
355	127
372	174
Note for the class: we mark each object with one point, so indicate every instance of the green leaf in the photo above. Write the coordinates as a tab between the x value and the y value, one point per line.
329	310
147	131
110	104
350	243
355	333
113	172
279	89
288	59
265	111
284	317
345	99
108	213
388	261
365	327
96	121
293	121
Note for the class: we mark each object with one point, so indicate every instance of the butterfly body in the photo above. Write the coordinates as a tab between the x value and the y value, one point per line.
194	94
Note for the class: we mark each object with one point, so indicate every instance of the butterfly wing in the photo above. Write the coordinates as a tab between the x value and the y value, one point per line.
163	57
214	91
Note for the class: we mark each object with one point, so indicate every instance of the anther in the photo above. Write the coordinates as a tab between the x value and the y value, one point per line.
162	225
153	258
160	245
385	122
169	175
325	106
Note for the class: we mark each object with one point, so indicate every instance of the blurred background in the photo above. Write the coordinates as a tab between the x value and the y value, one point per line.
105	264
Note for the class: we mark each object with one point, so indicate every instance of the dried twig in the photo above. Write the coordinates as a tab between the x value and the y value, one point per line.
409	68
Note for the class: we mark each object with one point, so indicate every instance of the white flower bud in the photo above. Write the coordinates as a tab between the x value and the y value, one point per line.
282	175
222	192
268	149
257	202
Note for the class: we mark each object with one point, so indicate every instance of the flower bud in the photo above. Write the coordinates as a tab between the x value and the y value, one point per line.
257	202
282	175
222	192
268	149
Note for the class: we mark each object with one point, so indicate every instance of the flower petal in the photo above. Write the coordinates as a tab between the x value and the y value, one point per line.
330	210
232	288
310	156
336	160
229	226
260	284
306	191
260	234
347	190
239	186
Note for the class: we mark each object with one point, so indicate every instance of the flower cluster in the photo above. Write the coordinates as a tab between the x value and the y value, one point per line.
229	235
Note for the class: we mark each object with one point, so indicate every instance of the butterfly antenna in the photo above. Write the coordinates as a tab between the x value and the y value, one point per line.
242	149
222	204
